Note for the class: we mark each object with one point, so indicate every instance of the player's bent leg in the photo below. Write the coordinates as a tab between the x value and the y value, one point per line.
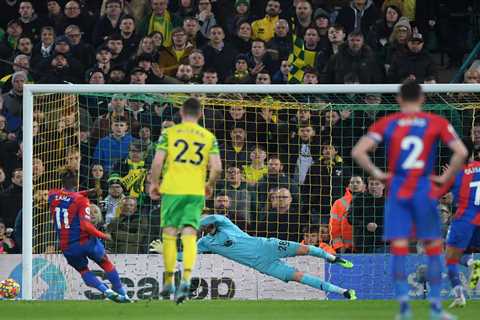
169	237
399	251
304	250
452	258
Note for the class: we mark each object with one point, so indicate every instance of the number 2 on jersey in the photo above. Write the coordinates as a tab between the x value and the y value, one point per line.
59	213
184	148
412	162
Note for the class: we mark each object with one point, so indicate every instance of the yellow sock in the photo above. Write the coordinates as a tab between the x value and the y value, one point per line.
189	242
169	257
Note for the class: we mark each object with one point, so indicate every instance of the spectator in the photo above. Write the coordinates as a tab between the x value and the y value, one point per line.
82	51
184	73
263	77
304	147
303	17
359	16
238	194
257	169
316	54
3	180
354	57
222	205
324	181
219	55
108	23
171	57
339	225
97	181
7	245
115	146
112	202
74	15
146	46
55	15
269	129
95	76
160	20
128	230
336	36
127	32
242	41
139	76
60	71
44	49
282	220
161	113
186	9
322	23
241	14
192	29
117	108
133	170
117	75
275	179
11	199
24	46
416	64
397	42
197	61
13	102
205	17
241	74
235	149
366	217
281	76
310	76
263	29
259	60
280	46
318	237
380	32
30	21
210	76
114	42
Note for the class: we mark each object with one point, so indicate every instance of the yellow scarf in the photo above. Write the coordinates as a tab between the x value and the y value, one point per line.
162	24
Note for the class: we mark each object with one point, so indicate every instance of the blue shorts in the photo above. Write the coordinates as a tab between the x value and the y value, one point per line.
417	217
77	255
463	234
272	250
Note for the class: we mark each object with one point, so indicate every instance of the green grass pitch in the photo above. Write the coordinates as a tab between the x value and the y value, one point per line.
218	309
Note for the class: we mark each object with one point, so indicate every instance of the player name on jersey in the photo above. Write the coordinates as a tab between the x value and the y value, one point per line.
415	122
472	170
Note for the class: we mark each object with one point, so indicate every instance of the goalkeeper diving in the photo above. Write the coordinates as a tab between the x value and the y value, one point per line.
224	238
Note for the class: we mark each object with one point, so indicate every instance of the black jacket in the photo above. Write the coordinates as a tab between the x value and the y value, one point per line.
222	61
420	65
362	64
11	203
346	17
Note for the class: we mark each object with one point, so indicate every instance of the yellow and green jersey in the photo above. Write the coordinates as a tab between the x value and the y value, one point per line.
188	147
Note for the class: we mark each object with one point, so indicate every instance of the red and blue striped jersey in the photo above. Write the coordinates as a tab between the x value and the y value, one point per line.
466	193
411	141
71	215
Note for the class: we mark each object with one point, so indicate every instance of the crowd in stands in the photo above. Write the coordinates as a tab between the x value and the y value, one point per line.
287	174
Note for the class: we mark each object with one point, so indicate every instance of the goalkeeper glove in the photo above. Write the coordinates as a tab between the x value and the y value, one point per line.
156	246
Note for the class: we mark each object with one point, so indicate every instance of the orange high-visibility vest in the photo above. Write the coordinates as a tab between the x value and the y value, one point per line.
340	229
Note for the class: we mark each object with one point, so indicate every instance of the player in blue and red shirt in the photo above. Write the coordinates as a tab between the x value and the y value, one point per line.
411	138
464	232
79	239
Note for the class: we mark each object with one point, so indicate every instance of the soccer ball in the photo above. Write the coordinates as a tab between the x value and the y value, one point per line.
9	289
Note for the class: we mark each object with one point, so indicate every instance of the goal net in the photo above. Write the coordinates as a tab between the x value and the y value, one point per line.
288	174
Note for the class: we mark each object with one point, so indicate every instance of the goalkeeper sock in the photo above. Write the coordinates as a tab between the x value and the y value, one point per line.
453	274
320	253
399	259
169	257
317	283
92	281
189	242
434	276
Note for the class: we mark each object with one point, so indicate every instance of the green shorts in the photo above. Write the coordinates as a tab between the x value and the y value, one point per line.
179	211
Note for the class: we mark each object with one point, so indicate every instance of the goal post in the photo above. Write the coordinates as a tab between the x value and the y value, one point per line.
295	91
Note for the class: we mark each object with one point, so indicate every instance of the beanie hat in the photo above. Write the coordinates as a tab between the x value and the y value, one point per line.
245	2
403	22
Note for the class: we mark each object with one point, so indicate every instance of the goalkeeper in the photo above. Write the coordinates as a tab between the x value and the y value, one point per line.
263	254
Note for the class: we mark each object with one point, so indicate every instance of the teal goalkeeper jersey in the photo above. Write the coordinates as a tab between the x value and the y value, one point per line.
232	243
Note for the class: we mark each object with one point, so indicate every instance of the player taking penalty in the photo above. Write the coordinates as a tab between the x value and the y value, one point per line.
185	153
412	138
224	238
79	239
464	232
